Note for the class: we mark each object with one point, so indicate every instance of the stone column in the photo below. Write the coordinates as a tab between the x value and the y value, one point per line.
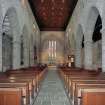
26	56
38	53
38	56
82	57
16	40
16	54
88	55
0	51
1	22
103	50
78	57
31	56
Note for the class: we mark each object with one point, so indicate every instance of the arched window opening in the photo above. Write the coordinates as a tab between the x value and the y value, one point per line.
7	45
52	51
97	44
98	26
82	42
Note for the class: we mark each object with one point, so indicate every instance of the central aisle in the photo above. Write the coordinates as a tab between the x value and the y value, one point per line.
52	91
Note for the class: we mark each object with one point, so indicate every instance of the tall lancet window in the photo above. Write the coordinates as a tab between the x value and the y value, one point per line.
55	49
52	49
49	48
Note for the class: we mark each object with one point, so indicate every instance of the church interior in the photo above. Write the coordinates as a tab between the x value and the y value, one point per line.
52	52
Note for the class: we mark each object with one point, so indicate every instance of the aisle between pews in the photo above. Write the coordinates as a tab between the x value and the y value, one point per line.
52	91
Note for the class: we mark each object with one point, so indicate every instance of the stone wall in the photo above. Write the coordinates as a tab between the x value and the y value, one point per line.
20	16
57	36
85	16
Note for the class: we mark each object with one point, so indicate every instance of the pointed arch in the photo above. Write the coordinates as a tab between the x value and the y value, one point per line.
10	36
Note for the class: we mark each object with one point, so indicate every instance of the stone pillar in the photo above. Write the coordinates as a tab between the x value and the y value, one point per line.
82	57
103	50
0	51
38	53
26	56
88	55
1	22
38	56
16	40
31	57
78	58
16	54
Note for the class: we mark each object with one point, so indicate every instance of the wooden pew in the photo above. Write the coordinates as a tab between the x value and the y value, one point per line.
38	72
10	96
35	76
69	76
89	95
92	81
16	80
95	89
32	79
20	86
85	82
26	80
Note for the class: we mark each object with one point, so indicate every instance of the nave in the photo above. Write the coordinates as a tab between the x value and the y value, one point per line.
52	91
36	35
41	85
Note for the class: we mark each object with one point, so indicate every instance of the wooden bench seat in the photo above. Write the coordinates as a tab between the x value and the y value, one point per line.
16	80
37	73
25	81
10	96
22	86
89	95
35	77
86	75
95	88
29	81
34	80
86	83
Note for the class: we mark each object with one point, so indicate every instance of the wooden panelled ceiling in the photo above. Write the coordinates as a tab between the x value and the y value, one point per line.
52	15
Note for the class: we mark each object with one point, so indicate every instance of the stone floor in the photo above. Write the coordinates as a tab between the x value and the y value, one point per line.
52	91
